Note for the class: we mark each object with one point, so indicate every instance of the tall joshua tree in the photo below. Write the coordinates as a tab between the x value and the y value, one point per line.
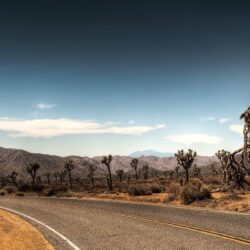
120	174
186	160
32	171
107	161
69	166
223	157
196	171
92	167
145	171
48	174
13	177
134	165
61	176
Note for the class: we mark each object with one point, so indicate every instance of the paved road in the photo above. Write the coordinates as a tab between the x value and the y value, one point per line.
92	224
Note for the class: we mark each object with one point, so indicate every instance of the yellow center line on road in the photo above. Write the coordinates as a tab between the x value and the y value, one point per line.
224	236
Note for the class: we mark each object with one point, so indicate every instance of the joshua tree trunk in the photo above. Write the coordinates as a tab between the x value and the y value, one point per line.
106	161
70	179
187	176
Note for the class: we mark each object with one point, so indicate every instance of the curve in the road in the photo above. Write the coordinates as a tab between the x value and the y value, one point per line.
74	246
190	228
177	225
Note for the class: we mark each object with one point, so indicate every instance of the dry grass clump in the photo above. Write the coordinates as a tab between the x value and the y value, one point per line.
173	191
19	194
194	191
232	196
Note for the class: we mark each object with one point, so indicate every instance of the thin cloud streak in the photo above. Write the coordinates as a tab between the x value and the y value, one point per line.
223	120
237	128
44	106
190	139
208	119
57	127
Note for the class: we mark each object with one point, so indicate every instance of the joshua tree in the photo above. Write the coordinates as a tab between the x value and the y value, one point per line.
223	157
61	176
92	167
48	174
246	131
214	170
177	169
120	174
134	165
69	166
186	160
196	171
38	180
107	161
3	181
56	175
171	173
145	171
239	159
13	177
32	171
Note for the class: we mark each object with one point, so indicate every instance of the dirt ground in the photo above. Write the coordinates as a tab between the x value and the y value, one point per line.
16	233
220	201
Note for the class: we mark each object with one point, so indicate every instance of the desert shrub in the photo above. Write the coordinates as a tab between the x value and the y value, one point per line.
173	191
157	189
38	188
2	193
19	194
194	191
23	187
173	188
10	189
48	191
139	190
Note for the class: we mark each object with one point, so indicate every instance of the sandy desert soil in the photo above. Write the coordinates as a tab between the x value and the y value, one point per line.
16	233
220	201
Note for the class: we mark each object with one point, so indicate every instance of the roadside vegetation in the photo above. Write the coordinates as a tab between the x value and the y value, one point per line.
186	184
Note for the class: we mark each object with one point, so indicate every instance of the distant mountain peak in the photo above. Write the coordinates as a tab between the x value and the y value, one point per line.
150	152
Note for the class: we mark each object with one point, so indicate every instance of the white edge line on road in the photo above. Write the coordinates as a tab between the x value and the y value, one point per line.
44	225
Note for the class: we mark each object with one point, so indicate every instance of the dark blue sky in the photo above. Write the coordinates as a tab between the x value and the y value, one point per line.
129	63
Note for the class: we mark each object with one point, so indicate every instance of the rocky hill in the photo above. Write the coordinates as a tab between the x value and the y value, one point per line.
18	160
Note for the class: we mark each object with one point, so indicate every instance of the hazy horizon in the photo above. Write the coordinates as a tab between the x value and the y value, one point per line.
95	78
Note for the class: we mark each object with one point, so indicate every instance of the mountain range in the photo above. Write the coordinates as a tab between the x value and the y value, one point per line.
18	160
151	152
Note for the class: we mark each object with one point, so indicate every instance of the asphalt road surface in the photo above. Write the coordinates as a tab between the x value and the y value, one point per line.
95	224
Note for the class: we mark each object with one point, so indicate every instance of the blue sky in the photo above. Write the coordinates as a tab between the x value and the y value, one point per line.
93	78
197	110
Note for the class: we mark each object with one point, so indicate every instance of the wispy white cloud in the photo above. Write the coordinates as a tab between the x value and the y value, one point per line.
237	128
223	120
208	119
190	139
44	106
131	122
62	126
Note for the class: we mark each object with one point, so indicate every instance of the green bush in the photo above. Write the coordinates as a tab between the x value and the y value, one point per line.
194	191
139	190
